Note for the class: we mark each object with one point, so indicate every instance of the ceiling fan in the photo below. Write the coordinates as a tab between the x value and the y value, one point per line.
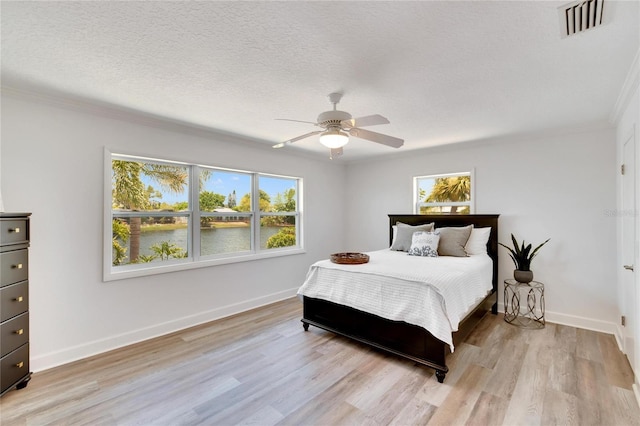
337	126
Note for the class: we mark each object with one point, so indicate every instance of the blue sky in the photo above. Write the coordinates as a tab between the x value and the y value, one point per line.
426	185
225	183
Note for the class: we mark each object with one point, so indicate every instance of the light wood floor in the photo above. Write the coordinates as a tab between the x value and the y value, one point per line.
260	367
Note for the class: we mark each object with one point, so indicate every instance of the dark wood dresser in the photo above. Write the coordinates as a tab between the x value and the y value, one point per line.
14	301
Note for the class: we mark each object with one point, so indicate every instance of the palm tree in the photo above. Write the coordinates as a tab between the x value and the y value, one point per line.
130	193
451	189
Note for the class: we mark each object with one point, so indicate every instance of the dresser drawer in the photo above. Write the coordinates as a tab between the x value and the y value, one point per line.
14	231
14	333
15	266
14	367
14	300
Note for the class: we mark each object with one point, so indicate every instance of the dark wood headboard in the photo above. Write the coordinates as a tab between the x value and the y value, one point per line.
442	220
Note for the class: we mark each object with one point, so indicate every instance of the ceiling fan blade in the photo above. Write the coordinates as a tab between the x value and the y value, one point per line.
296	139
369	120
377	137
297	121
335	153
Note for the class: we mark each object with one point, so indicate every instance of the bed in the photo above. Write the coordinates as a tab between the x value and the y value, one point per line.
376	327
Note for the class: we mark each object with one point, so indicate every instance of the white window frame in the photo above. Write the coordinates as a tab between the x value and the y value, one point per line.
194	260
297	213
417	204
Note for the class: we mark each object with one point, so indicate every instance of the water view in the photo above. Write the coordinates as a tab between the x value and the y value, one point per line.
213	240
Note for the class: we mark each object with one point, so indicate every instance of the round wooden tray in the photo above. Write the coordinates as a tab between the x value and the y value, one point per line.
349	258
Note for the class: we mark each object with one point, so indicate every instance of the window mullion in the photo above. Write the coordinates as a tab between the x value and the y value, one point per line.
194	206
444	203
255	209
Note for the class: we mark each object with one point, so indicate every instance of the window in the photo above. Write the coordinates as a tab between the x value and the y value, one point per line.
278	212
165	216
443	194
226	223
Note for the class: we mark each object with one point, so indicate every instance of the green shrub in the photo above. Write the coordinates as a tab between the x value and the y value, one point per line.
285	237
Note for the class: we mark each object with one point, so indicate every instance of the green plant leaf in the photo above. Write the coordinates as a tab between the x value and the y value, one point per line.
521	254
535	251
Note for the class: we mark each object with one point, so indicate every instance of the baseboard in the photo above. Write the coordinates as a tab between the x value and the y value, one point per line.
578	322
67	355
581	322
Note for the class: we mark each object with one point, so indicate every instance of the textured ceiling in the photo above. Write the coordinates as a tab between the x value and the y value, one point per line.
441	72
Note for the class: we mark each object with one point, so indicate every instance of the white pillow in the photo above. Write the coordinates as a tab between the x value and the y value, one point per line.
424	244
477	242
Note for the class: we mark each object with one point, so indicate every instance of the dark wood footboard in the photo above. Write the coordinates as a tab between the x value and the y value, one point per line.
406	340
398	337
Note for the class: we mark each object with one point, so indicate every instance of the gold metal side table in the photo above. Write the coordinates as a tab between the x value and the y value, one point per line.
530	315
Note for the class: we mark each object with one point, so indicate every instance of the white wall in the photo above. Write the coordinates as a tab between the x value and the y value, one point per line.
52	166
557	186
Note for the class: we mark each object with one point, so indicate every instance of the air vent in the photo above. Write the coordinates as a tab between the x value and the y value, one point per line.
580	16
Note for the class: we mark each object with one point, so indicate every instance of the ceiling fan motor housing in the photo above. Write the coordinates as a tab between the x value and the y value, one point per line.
332	118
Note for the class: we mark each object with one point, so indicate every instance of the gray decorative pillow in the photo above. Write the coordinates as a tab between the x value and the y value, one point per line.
424	244
453	240
403	234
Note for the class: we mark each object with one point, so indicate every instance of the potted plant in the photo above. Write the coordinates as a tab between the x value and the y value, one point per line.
522	256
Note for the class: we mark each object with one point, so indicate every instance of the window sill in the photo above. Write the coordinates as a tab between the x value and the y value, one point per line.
110	275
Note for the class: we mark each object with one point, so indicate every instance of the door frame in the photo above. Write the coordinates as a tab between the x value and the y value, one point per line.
630	136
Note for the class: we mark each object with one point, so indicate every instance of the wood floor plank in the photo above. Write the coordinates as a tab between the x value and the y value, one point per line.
589	375
527	402
458	406
560	409
505	377
566	338
433	392
377	384
587	345
616	365
401	395
489	409
261	367
311	412
341	413
415	412
562	374
480	334
624	410
458	361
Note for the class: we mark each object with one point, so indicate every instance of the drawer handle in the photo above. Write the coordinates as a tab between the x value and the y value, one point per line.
21	331
20	364
18	266
16	230
18	299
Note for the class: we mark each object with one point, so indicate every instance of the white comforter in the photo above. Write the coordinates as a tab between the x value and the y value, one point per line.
432	292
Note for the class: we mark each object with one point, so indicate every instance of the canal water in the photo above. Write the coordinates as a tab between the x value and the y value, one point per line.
213	241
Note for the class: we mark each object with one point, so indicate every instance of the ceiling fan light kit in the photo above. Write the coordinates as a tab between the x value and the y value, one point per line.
339	125
334	138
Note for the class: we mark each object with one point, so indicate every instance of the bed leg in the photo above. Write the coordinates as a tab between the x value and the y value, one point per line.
305	325
494	308
440	375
